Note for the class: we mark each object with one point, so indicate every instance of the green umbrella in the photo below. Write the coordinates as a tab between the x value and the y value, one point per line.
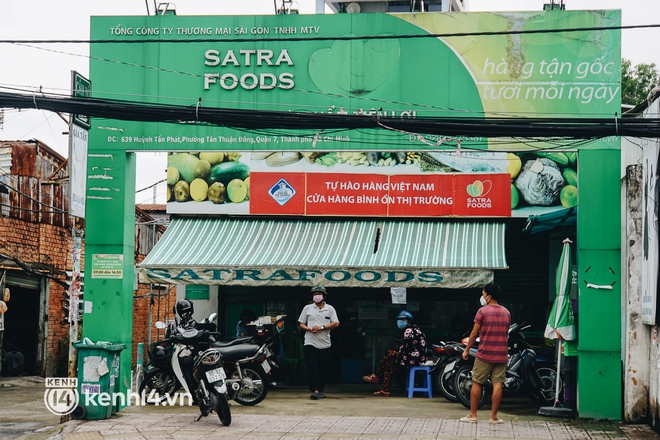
561	323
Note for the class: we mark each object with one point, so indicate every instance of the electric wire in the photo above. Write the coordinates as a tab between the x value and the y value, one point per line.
333	38
568	128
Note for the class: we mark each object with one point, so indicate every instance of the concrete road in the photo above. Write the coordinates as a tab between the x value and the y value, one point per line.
22	408
23	415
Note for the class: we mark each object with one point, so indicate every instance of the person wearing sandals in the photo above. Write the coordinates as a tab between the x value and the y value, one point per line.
316	320
491	325
411	353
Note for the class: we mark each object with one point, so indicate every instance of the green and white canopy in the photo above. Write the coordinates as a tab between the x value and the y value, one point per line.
369	253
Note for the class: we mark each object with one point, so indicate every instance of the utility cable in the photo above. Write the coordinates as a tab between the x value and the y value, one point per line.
335	38
564	128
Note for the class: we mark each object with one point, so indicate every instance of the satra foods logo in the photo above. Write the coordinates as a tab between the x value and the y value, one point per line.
477	192
61	395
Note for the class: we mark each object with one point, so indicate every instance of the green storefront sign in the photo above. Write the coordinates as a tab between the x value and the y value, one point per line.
363	64
371	65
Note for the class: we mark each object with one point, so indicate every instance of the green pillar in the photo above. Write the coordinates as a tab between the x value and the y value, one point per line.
109	252
599	263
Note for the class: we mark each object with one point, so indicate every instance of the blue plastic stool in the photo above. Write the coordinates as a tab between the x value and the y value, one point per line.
426	386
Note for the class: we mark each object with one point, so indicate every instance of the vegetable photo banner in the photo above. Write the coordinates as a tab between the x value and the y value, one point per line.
411	184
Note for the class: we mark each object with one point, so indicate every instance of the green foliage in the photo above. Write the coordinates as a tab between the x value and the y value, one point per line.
637	81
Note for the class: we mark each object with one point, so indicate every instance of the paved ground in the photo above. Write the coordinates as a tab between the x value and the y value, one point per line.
349	412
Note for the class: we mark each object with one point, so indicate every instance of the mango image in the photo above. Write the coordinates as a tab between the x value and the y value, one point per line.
185	163
217	193
181	191
203	169
213	157
236	190
199	189
172	176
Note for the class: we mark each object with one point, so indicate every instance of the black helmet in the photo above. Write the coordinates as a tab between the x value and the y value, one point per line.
184	308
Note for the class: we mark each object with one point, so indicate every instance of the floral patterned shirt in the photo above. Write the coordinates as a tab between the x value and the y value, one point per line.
412	351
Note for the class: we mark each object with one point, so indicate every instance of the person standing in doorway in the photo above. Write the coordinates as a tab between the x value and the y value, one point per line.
246	317
316	320
491	325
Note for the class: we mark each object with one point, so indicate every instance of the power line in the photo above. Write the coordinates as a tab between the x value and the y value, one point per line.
344	37
556	128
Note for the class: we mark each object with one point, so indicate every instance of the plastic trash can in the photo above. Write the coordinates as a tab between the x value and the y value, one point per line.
98	384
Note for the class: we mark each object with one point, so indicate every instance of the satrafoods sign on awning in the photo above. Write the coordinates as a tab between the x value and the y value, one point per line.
351	253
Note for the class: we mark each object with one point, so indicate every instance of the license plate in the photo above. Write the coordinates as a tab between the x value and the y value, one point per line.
449	367
215	375
266	366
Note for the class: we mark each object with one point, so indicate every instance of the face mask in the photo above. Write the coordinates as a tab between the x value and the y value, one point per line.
317	299
483	301
401	323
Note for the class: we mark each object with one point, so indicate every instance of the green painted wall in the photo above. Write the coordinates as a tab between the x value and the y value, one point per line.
110	217
599	263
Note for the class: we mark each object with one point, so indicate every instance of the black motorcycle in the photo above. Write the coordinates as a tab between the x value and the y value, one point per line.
249	362
523	372
200	371
448	361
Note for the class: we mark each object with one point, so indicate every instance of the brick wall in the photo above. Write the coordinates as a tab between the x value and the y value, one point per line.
48	249
45	249
162	303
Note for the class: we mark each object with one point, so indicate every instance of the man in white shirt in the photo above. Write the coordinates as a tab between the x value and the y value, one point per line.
316	320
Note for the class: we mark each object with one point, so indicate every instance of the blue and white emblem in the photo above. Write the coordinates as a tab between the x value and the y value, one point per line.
282	192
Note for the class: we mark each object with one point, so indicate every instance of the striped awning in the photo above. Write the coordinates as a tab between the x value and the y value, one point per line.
375	253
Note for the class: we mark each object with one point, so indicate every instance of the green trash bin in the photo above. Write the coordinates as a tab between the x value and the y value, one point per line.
98	379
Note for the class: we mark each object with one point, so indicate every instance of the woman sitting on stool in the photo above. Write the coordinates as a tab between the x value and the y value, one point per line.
411	353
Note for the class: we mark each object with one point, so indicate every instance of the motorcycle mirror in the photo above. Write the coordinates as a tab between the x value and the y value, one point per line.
160	324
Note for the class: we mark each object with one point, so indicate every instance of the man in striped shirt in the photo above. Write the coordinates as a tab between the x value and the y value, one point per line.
491	324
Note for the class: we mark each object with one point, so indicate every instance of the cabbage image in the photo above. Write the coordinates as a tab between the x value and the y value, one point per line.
540	182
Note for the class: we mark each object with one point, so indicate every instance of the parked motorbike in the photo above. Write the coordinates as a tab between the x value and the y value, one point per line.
159	380
445	366
249	362
200	371
523	372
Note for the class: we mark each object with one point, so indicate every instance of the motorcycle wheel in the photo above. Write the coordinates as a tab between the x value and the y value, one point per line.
161	383
220	404
444	382
254	388
463	386
545	395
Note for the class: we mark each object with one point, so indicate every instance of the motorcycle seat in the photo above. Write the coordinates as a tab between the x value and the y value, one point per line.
237	341
236	352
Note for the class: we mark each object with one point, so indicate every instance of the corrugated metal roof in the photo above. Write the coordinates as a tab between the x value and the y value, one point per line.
334	244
